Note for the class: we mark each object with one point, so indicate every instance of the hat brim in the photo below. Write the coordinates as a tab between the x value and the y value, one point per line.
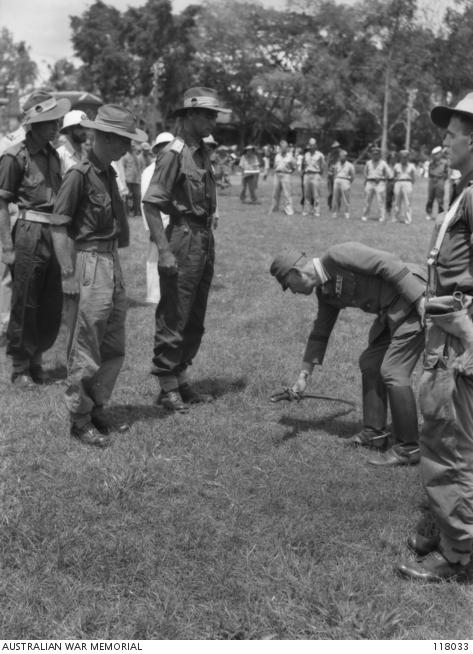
180	111
137	135
62	107
441	115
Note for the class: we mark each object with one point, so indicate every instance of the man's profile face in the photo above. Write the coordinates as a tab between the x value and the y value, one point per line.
298	282
458	144
45	131
203	121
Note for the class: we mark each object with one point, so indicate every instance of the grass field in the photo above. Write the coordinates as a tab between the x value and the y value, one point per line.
243	519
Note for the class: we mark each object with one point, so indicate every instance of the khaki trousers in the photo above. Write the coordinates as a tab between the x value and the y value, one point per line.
402	200
378	190
341	197
96	346
312	192
282	185
446	443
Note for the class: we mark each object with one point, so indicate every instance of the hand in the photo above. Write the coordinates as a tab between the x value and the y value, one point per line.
70	285
167	264
8	257
420	307
301	383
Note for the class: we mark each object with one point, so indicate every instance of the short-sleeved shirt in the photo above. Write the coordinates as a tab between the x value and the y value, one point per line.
284	163
90	199
183	183
377	171
454	269
438	169
313	162
404	173
30	175
344	170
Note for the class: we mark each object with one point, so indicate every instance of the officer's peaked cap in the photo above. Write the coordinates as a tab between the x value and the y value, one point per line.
285	262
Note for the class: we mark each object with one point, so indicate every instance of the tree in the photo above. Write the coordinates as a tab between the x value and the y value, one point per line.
64	76
16	66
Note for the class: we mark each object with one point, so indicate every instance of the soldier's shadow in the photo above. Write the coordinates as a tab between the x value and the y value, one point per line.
329	423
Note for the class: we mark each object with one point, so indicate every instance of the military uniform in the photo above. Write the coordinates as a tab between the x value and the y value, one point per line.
438	175
404	176
284	166
313	164
90	202
183	186
376	175
446	395
379	283
30	176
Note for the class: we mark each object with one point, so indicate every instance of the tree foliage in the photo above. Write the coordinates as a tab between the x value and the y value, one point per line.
332	68
16	65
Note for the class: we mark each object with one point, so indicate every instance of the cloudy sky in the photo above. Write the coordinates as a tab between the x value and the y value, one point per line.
44	24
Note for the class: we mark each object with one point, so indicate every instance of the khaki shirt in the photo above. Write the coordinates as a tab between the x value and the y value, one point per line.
183	183
30	176
89	198
368	279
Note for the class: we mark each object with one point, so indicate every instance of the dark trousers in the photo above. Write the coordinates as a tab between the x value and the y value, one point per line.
135	198
249	182
330	181
181	310
36	296
435	192
386	368
389	194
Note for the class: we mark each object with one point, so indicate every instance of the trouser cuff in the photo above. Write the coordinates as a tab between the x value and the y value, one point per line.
168	383
456	552
79	419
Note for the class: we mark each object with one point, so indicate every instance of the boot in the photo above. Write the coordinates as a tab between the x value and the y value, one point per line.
404	416
375	402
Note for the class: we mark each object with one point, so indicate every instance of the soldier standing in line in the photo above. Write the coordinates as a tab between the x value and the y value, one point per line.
404	177
332	159
312	169
344	173
376	173
30	176
183	187
284	166
89	201
438	175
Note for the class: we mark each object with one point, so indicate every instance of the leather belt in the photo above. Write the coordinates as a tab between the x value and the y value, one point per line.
376	181
43	218
312	172
96	246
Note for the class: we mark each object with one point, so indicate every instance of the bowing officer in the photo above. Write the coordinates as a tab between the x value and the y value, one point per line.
354	275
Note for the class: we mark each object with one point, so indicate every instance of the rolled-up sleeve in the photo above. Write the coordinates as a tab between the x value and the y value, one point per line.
10	177
160	189
69	195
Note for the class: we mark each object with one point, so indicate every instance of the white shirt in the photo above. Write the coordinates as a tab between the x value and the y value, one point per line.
69	156
284	163
146	176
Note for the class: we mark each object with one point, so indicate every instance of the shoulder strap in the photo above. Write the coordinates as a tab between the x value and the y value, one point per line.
447	220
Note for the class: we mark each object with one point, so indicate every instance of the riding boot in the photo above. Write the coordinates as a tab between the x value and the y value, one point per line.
374	401
404	416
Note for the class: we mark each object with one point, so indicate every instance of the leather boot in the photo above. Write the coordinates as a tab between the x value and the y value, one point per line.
375	403
404	416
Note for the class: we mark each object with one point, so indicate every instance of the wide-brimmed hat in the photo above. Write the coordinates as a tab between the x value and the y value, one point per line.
200	97
437	149
284	263
249	147
404	153
41	107
335	144
115	120
441	114
74	117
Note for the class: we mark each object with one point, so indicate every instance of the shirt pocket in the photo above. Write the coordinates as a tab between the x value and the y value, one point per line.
101	210
195	185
